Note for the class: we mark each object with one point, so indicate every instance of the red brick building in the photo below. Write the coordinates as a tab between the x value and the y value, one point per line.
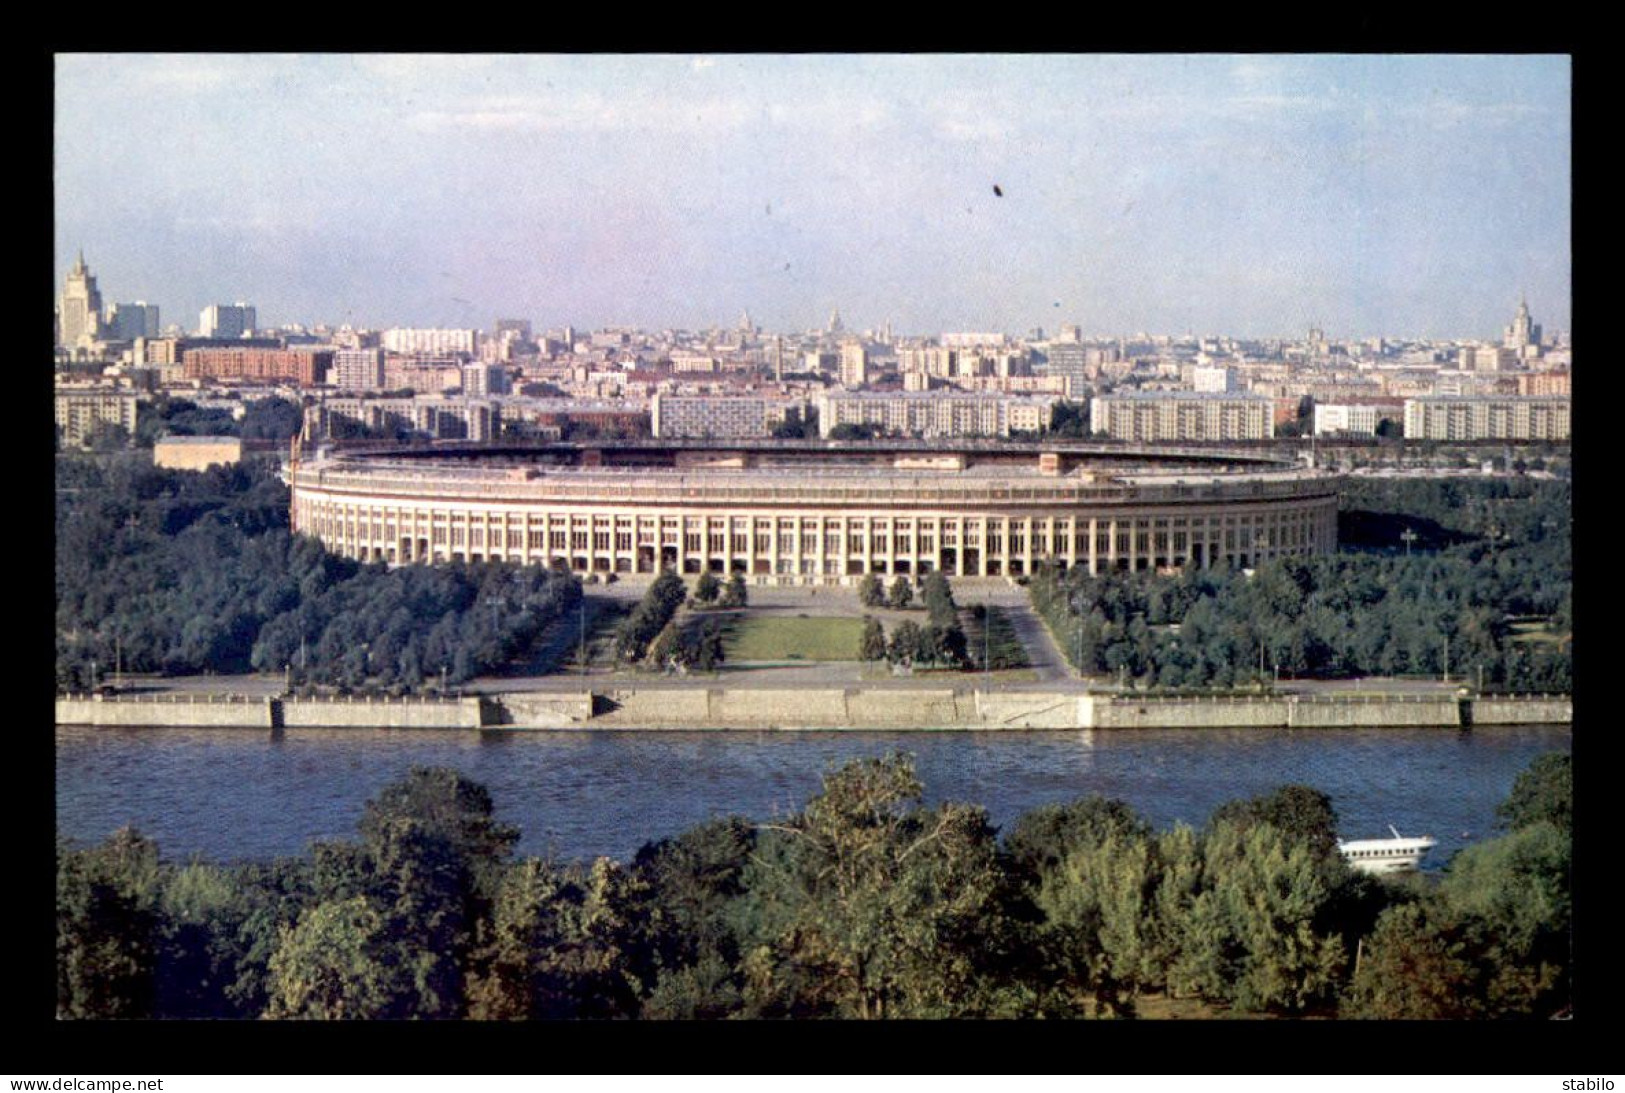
307	367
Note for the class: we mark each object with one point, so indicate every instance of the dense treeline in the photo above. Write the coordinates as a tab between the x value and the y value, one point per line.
865	904
186	572
1487	554
262	419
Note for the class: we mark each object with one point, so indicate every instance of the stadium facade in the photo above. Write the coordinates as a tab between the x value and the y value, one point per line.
811	513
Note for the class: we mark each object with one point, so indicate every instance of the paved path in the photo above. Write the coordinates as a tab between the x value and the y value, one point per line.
1042	655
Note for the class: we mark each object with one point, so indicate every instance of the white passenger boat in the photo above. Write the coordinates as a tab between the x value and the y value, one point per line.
1396	855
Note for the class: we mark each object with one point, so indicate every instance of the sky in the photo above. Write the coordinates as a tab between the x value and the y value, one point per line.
1245	195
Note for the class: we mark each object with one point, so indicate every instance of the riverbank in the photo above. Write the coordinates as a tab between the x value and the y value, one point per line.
757	709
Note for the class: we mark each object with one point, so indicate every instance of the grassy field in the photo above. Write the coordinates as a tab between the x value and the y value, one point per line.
757	638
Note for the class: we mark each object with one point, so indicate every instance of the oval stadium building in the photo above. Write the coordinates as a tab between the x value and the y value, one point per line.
800	512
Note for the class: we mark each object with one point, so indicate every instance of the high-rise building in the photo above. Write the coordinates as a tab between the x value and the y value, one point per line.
79	316
1524	331
226	320
358	369
484	380
854	365
127	322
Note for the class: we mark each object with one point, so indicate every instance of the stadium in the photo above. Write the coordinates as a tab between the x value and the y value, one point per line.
814	512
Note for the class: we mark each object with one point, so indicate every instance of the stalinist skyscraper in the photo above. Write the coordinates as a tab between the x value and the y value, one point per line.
1524	332
79	314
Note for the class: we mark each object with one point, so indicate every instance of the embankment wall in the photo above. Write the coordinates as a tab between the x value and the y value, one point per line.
817	708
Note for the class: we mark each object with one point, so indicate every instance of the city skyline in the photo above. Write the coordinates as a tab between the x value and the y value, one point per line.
1250	196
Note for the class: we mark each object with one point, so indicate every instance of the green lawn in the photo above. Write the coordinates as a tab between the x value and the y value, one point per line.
779	639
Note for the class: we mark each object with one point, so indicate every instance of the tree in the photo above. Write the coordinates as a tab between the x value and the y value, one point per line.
271	419
872	642
902	594
867	905
431	862
1543	792
666	650
1419	964
871	592
1043	837
707	651
707	589
1302	814
530	922
1518	887
107	436
1096	938
904	646
335	965
735	594
107	926
1254	937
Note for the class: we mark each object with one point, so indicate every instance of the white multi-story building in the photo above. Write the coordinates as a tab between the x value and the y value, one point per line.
79	412
936	413
1466	417
1346	419
227	320
433	342
358	369
441	418
720	416
854	365
484	379
1214	379
927	360
1181	415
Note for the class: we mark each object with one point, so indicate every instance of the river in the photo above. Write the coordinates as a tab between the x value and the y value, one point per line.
228	795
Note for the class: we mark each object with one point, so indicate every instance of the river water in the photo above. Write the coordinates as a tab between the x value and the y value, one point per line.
229	795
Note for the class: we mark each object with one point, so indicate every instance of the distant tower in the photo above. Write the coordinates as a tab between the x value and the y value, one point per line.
1524	331
835	326
778	359
854	365
80	319
745	325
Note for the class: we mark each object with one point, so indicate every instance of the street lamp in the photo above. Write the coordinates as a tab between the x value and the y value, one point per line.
1409	536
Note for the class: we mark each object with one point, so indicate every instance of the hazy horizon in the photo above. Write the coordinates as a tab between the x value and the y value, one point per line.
1242	195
